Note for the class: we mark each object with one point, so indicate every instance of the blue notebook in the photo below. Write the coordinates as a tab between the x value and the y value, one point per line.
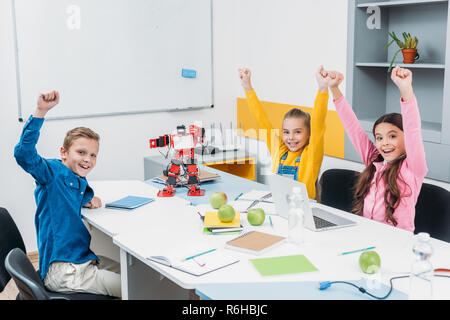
129	203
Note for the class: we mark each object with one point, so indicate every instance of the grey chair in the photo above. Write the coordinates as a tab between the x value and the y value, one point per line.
10	238
30	284
15	264
433	212
335	188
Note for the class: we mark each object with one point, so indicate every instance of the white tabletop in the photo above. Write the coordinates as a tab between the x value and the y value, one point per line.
183	232
114	221
172	225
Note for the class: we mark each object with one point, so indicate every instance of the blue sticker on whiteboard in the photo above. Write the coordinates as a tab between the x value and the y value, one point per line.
188	73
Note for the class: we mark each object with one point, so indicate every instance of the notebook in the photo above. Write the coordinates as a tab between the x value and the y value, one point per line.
200	264
261	195
255	242
129	203
216	231
283	265
212	221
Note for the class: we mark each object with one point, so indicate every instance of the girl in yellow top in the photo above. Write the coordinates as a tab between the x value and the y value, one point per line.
298	153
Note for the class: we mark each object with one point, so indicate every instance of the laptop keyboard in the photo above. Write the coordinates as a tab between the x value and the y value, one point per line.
321	223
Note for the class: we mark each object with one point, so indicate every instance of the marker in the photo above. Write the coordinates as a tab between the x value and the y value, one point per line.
270	219
360	250
240	194
200	254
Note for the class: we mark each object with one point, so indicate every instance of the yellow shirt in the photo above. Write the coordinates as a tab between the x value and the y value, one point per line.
312	154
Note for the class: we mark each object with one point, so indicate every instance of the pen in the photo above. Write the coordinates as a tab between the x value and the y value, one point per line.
360	250
240	194
270	219
199	254
201	217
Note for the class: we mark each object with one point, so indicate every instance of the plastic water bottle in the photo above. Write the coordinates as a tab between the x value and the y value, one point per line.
422	272
296	232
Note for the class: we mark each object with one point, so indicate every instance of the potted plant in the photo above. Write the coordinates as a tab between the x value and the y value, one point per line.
408	48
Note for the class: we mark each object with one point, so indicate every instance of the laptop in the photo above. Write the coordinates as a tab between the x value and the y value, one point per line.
315	219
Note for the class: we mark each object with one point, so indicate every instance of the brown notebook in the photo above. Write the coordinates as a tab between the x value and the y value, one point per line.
255	242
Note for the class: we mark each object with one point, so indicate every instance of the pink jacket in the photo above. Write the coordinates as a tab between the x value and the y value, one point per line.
413	168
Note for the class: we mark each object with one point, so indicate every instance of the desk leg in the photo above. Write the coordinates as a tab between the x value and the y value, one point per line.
141	282
124	273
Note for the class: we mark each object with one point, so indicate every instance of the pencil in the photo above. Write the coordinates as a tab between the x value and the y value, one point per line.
240	194
199	254
201	217
355	251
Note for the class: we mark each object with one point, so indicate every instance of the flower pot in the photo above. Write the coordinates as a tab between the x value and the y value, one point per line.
410	55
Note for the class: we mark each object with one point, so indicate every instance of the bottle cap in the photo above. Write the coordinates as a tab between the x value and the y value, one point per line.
423	236
296	190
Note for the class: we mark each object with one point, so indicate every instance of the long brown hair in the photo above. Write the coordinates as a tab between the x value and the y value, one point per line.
391	176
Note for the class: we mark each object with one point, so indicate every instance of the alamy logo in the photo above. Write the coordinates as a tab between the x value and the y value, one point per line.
74	19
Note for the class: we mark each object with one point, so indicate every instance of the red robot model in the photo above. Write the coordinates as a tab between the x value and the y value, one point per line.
183	144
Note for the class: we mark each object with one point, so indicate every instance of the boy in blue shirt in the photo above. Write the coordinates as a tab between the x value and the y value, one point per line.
65	261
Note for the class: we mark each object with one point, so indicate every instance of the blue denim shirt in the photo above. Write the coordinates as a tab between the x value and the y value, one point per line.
59	195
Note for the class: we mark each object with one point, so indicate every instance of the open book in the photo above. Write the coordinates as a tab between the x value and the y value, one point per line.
202	175
198	264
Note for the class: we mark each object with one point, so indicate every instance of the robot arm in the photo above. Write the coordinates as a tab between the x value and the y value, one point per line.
160	142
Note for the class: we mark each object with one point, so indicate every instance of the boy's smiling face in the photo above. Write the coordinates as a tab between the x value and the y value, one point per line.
81	156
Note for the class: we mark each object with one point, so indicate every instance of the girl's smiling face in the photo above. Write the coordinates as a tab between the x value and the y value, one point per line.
389	141
295	133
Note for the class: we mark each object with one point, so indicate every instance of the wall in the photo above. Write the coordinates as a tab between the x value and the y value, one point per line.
124	139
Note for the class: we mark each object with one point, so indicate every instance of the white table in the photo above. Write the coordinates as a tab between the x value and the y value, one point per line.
172	224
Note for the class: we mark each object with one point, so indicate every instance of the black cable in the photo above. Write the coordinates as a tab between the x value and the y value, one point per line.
325	285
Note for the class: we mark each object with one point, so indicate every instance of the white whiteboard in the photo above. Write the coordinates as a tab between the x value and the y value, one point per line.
109	57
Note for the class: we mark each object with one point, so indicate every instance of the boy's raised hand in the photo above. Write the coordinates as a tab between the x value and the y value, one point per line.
322	79
244	75
46	101
403	80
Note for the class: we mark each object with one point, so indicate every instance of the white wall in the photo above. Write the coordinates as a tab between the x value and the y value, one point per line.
282	41
124	139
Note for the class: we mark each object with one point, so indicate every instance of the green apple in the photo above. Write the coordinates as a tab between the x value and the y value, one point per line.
369	262
226	213
256	216
218	199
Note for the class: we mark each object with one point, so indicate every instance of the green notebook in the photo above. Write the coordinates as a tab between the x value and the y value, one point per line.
283	265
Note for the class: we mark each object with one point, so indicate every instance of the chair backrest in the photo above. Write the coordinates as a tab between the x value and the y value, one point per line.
27	279
335	188
433	212
10	238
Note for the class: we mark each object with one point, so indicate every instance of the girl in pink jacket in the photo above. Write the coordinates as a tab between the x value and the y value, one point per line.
388	188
